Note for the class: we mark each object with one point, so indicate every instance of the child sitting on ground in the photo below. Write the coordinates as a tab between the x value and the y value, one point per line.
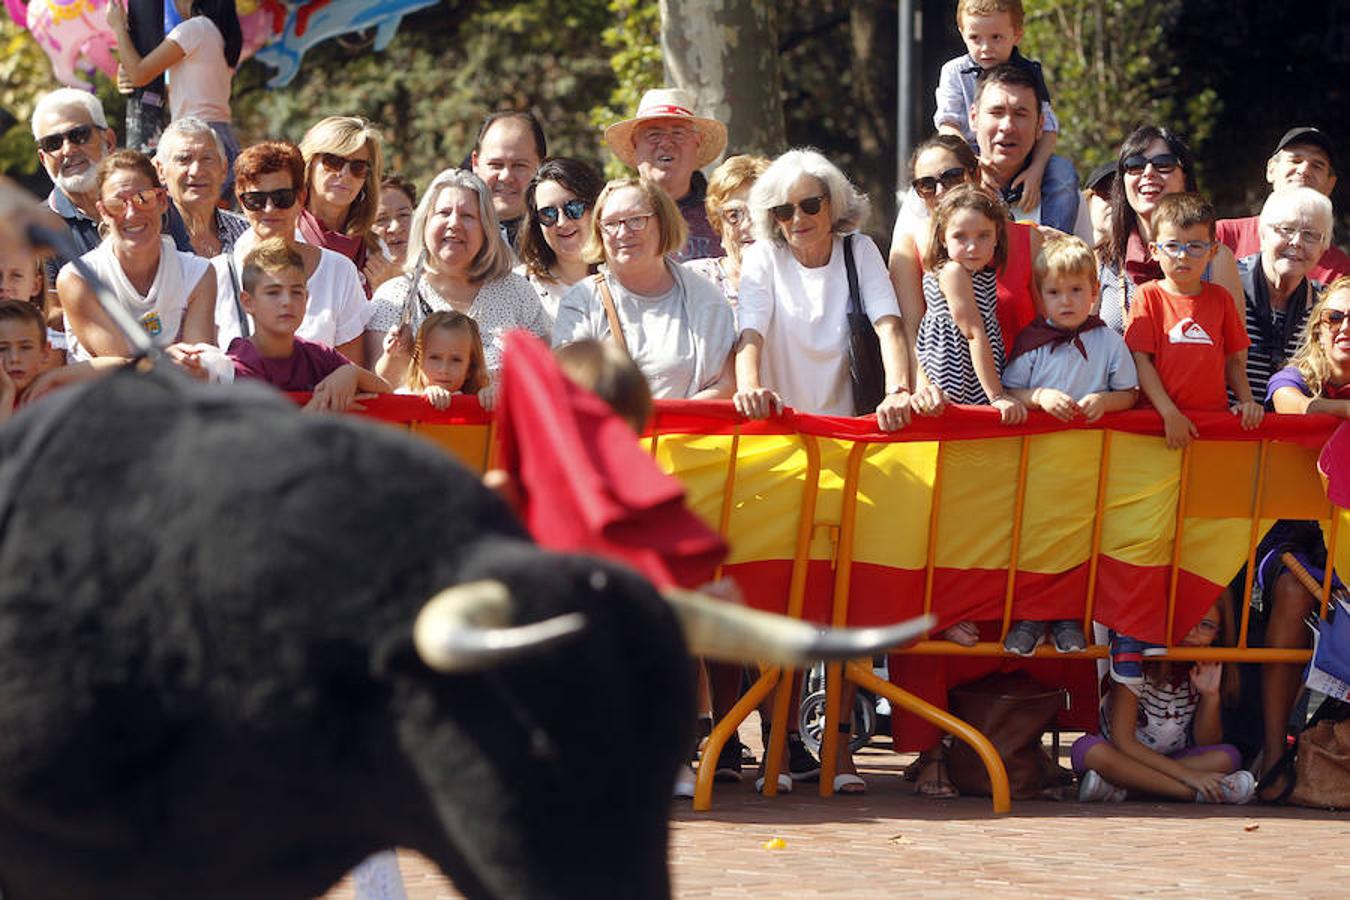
274	292
447	359
1161	738
1188	341
1069	365
991	30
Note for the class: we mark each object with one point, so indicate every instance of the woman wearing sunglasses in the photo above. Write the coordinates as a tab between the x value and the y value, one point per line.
169	293
344	162
939	164
728	206
1152	163
271	178
674	324
558	209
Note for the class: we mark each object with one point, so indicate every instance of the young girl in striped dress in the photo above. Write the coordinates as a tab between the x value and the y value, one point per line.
960	345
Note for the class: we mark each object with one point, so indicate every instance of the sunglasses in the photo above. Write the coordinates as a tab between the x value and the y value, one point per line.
734	214
256	201
1193	249
783	212
927	186
1334	318
1163	163
78	137
574	209
334	163
115	206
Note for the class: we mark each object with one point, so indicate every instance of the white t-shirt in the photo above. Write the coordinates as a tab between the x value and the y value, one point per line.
199	83
160	310
680	339
802	315
337	310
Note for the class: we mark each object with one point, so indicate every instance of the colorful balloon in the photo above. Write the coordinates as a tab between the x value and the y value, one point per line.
313	23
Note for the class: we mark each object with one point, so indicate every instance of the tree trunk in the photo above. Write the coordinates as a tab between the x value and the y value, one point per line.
725	52
872	34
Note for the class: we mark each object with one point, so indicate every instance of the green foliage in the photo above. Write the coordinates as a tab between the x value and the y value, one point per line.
1111	67
635	39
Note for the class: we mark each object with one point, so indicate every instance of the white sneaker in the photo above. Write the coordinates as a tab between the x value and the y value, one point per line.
1237	788
1096	789
684	783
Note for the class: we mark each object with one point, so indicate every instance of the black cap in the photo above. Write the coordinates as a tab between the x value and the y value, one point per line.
1306	134
1105	172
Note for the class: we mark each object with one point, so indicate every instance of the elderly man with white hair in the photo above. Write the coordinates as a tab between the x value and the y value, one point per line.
192	163
72	136
668	144
1295	230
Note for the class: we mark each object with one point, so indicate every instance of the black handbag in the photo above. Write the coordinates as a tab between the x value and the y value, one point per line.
864	350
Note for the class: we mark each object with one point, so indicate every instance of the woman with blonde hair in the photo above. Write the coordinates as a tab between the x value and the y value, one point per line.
457	260
674	324
344	164
727	203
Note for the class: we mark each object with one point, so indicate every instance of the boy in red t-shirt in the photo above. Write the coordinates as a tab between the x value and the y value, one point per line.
1188	340
275	295
1189	345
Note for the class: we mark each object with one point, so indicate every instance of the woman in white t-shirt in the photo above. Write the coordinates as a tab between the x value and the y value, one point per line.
199	54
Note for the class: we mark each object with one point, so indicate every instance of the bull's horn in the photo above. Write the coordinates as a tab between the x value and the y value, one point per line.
467	628
733	633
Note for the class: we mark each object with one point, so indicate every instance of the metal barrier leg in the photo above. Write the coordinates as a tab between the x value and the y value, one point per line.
829	735
722	732
773	751
998	775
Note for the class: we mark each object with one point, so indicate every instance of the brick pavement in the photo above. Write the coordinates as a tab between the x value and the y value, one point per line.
890	841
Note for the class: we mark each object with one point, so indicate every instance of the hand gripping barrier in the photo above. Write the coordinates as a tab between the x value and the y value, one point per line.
833	521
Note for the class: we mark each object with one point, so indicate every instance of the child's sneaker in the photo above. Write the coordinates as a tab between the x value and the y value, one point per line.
1024	637
1068	636
1096	789
1127	657
1237	788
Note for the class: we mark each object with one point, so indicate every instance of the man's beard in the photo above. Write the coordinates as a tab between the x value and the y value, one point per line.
84	183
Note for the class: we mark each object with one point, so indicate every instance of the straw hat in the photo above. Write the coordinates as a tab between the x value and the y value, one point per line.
668	104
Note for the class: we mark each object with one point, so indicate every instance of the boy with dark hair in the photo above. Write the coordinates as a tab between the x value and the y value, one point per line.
274	293
991	31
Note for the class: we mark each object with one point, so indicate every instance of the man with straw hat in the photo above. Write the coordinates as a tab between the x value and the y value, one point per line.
668	143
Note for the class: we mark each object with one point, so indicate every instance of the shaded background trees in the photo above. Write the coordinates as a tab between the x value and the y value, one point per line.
1231	74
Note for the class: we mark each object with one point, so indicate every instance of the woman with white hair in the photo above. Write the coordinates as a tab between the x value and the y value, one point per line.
464	266
1295	228
794	330
794	296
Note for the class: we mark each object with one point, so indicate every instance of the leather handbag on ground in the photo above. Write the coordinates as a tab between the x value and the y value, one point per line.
864	350
1013	710
1319	762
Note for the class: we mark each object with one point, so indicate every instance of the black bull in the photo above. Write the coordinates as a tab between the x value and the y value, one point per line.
208	685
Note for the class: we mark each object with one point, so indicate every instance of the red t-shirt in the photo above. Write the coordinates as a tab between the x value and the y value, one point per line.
1190	338
309	363
1243	237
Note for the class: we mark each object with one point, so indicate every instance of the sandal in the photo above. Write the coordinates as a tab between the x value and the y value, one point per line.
939	787
849	783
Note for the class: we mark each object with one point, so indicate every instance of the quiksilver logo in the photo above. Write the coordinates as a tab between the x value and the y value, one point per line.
1188	331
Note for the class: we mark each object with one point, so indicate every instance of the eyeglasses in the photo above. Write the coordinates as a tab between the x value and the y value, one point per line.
115	206
783	212
734	214
574	209
1334	318
632	223
676	135
1193	249
334	163
927	186
256	201
1305	235
1163	163
78	137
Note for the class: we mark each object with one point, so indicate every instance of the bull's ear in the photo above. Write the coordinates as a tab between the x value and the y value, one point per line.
394	652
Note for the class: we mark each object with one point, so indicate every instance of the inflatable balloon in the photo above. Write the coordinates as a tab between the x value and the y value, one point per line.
315	22
73	34
18	11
